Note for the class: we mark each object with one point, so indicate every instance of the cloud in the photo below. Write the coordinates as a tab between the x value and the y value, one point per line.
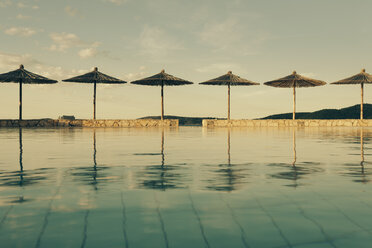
72	11
90	51
20	31
12	61
219	67
231	35
140	73
21	5
117	2
63	41
5	3
156	42
309	74
22	17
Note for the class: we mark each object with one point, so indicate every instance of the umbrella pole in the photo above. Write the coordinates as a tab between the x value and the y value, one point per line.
294	103
228	102
361	104
94	100
20	99
162	101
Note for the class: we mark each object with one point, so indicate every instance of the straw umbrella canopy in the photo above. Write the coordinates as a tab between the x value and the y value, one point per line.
361	78
95	77
23	76
295	81
162	79
229	79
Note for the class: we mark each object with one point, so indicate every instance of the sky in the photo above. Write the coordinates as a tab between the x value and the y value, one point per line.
196	40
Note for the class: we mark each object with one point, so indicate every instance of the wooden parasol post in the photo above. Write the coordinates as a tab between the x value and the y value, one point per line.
362	96
20	99
94	100
294	102
162	101
95	92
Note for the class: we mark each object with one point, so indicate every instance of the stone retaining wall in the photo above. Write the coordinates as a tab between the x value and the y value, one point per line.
88	123
288	123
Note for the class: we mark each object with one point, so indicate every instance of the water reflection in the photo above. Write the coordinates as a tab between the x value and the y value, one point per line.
295	171
92	175
22	177
162	177
359	172
227	176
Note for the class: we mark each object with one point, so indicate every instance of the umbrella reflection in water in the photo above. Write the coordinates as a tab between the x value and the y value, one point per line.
359	172
228	176
92	175
295	171
20	177
162	177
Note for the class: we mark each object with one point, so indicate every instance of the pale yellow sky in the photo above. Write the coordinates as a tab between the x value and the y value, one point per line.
194	40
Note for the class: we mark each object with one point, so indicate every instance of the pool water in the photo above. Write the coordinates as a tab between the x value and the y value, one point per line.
186	187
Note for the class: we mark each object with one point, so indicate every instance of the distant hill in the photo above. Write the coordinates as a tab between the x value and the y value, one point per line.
352	112
183	121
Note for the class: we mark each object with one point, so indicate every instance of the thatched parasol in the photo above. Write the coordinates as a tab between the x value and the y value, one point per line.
22	76
295	81
95	77
360	78
162	79
229	79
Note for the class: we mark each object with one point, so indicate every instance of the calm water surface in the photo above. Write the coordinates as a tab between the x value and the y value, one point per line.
185	187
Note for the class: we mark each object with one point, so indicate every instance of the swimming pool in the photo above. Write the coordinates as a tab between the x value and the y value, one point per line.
185	187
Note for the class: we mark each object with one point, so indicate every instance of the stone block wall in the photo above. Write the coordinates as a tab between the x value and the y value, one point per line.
288	123
88	123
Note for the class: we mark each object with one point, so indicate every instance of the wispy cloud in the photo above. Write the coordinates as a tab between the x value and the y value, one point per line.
12	61
231	35
140	73
20	31
117	2
89	52
63	41
22	17
219	68
22	5
156	42
72	11
5	3
309	74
